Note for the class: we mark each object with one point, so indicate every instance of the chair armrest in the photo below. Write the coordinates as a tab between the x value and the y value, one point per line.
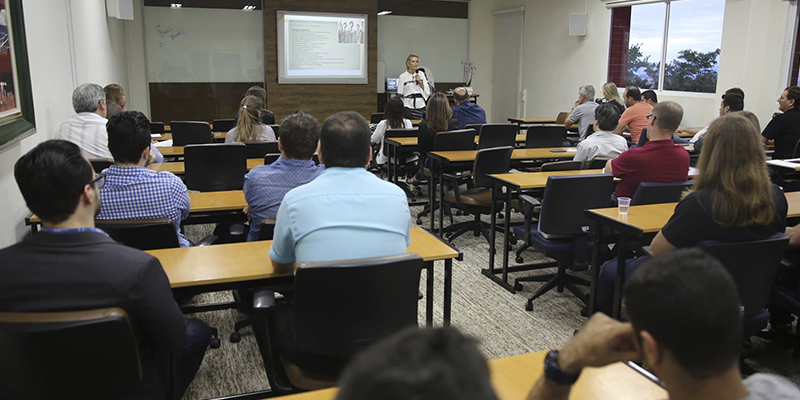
645	251
263	299
208	240
529	201
456	189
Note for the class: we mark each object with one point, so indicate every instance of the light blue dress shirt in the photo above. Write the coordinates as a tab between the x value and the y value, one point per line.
345	213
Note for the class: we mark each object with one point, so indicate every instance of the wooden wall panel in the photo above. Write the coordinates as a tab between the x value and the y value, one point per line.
426	8
320	100
196	101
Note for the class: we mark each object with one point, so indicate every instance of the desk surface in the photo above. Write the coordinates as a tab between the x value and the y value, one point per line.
793	163
413	141
513	377
236	262
538	180
532	120
179	168
518	154
168	136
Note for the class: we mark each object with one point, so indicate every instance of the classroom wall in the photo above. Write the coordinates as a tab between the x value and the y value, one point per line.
556	64
481	51
51	81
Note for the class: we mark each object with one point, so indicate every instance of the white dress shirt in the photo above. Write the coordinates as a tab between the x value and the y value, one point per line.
407	85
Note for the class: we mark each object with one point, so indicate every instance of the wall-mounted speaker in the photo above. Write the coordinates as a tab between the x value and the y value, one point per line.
120	9
577	24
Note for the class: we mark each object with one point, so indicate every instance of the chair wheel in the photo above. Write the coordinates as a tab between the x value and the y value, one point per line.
519	260
235	337
513	242
501	216
529	306
518	286
419	221
215	343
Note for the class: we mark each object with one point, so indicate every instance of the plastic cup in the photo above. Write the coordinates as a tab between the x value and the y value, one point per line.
624	203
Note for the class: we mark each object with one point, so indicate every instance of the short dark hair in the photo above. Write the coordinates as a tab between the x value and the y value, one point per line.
51	178
344	140
607	117
735	90
650	95
128	136
734	101
299	135
419	364
633	91
689	303
793	93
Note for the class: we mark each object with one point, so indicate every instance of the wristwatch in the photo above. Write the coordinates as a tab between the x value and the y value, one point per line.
554	373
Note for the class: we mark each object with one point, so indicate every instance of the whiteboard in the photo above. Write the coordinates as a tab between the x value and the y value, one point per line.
441	44
203	45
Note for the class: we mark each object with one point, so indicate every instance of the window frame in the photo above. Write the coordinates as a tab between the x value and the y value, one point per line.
615	4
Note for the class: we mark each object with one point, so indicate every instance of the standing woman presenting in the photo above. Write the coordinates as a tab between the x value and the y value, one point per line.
413	86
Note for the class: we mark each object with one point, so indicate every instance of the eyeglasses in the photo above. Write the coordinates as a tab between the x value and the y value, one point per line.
650	116
99	179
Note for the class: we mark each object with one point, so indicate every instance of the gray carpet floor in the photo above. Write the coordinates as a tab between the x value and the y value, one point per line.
480	308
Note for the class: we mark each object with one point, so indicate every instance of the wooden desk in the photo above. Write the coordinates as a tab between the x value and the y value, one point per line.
642	220
685	135
413	141
179	168
513	377
171	151
791	164
238	265
516	183
168	136
532	121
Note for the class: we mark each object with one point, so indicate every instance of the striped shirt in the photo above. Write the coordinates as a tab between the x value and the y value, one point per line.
88	131
140	193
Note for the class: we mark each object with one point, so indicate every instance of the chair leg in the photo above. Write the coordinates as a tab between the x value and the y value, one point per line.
239	325
519	258
542	290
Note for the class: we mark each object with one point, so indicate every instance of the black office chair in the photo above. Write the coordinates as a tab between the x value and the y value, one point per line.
597	163
261	149
477	127
478	200
375	118
99	164
145	234
215	167
277	129
657	193
244	297
89	354
270	158
190	132
268	117
339	308
497	135
753	266
223	125
561	166
541	136
157	127
562	232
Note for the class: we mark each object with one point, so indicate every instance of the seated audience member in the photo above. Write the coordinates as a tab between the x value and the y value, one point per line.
732	200
87	128
265	185
393	119
345	213
731	103
465	111
650	97
72	266
439	118
784	129
734	104
634	119
115	99
611	96
583	111
131	190
602	143
685	326
266	116
659	160
248	125
420	364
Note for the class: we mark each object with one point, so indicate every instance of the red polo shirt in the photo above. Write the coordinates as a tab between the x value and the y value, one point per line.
657	161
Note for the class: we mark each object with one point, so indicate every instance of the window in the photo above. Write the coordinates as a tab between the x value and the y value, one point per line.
671	45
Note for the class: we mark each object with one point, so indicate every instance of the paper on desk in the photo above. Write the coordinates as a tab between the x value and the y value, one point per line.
693	172
572	150
163	143
155	135
791	163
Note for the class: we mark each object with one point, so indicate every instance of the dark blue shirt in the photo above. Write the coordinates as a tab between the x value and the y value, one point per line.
469	113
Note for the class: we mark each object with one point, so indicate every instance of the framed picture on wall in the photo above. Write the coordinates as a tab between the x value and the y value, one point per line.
16	98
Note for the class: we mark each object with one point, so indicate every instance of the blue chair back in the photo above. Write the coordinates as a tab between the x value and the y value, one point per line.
567	196
656	193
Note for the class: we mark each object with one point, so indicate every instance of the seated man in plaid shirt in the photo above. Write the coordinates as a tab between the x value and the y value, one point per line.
132	191
466	111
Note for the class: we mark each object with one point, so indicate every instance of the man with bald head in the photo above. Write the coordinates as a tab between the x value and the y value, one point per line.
466	111
659	160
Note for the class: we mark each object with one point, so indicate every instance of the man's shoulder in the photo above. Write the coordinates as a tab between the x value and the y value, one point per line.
93	246
769	386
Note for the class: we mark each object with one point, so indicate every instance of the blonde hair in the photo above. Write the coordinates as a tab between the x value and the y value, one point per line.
249	124
438	112
114	92
412	55
733	167
611	91
750	116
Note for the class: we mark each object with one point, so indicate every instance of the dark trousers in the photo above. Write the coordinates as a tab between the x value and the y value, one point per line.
415	113
198	336
604	302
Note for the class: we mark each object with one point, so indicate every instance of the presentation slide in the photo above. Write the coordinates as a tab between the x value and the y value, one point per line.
322	48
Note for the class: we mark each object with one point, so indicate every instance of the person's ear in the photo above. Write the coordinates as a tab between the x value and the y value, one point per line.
145	154
652	351
319	154
280	146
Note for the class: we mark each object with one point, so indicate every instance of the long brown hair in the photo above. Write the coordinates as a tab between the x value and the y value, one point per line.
733	167
249	124
393	113
438	112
